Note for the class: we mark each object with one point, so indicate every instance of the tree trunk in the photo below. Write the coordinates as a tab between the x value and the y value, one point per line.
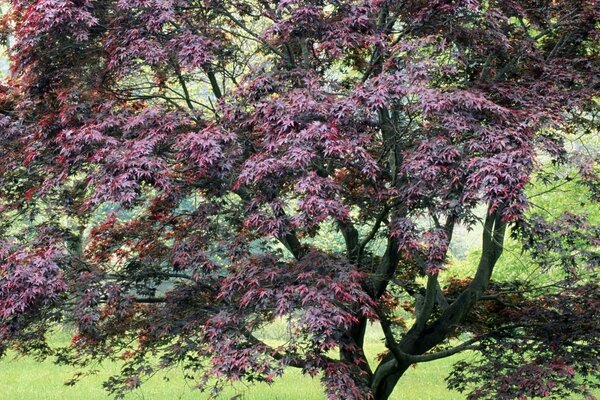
386	377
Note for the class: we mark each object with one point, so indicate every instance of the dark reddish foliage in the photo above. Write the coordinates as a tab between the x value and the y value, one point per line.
167	167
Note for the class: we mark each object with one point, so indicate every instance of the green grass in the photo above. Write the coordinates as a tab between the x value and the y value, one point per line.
27	379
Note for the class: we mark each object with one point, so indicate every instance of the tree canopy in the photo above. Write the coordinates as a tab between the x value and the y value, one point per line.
168	169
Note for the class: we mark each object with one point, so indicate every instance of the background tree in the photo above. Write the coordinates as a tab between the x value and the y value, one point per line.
225	136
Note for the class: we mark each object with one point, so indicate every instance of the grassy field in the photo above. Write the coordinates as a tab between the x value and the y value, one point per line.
26	379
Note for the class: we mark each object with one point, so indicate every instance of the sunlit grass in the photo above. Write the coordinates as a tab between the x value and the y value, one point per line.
27	379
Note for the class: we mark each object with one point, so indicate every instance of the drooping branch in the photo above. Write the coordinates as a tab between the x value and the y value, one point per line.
295	362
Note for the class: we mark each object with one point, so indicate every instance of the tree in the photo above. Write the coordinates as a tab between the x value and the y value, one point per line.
167	168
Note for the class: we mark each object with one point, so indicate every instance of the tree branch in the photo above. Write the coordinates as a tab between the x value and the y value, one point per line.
403	357
213	82
252	34
426	309
350	235
295	362
373	232
493	239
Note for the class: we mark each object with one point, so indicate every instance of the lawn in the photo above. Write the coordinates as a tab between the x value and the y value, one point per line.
27	379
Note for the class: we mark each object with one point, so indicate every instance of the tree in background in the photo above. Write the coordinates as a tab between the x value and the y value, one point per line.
225	136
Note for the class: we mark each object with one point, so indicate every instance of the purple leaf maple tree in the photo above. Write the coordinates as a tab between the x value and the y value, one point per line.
168	170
